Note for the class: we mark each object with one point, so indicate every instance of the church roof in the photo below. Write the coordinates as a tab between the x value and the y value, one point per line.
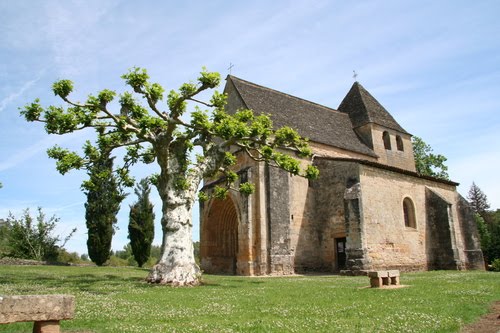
316	122
363	108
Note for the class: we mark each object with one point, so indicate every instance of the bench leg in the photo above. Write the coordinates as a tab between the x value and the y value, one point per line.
395	280
376	282
46	326
386	281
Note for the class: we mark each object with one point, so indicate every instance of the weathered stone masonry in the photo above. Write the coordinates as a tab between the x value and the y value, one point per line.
369	210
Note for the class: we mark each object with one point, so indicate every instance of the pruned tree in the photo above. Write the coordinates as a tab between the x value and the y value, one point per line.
159	131
478	200
426	162
141	227
32	238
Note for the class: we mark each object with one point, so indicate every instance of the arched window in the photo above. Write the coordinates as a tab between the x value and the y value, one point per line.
387	140
399	143
409	213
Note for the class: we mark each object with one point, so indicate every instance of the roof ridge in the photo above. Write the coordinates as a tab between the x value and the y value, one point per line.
319	123
282	93
363	108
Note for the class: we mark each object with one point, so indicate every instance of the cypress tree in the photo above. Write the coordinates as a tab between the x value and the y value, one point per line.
104	196
141	223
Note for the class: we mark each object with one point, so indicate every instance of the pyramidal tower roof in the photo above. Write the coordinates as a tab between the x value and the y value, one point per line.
363	108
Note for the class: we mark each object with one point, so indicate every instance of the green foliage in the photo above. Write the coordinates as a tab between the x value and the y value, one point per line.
33	111
115	261
209	79
62	88
4	238
202	196
231	176
32	238
229	159
484	233
135	126
287	162
428	163
125	253
495	265
489	233
156	252
106	96
478	200
66	257
137	78
104	197
153	131
220	192
247	188
141	223
312	172
196	251
66	160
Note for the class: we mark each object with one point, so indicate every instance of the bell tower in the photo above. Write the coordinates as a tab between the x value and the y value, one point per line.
378	129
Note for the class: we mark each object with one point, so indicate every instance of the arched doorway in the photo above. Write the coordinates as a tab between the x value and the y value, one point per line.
219	238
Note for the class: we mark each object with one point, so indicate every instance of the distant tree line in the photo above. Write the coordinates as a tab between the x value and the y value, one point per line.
32	237
488	224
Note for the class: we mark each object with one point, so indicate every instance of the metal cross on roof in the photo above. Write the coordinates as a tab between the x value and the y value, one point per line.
355	76
230	68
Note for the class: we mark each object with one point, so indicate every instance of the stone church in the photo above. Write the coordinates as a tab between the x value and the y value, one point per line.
368	209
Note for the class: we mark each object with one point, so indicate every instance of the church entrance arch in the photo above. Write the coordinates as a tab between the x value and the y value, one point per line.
219	238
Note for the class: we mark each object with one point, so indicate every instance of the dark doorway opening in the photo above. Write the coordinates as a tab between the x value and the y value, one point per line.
340	253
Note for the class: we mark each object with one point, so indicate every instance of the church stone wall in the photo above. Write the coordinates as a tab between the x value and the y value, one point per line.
310	238
279	215
472	246
329	211
393	157
390	243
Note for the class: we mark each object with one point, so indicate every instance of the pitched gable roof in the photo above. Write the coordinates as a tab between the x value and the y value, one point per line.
363	108
316	122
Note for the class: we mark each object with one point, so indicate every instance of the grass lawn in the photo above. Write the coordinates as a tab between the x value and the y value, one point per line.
110	299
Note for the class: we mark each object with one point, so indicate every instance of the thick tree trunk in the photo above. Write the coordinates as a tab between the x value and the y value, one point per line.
176	266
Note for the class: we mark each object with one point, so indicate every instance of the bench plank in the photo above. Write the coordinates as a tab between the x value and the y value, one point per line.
37	308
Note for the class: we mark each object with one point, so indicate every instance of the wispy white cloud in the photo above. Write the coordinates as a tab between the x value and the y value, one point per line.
29	152
71	34
16	94
40	147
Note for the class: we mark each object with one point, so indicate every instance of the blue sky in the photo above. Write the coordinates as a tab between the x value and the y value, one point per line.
435	65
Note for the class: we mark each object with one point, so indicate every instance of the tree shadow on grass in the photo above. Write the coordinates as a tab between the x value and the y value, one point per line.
96	283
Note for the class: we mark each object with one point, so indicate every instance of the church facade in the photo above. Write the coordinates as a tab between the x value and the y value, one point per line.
368	209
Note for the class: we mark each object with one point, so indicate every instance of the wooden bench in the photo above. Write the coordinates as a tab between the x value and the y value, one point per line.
383	278
44	310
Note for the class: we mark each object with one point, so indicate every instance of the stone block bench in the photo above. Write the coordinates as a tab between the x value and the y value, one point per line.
44	310
383	278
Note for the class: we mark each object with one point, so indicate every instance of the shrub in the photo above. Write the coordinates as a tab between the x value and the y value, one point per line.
495	265
32	238
116	262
